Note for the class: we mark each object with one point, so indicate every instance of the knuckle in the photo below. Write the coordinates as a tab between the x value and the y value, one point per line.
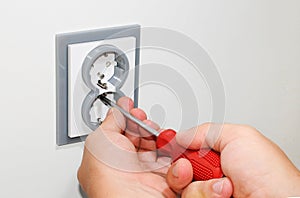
249	127
206	124
79	175
89	138
247	130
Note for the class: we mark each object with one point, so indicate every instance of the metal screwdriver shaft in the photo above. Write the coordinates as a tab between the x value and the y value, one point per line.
110	103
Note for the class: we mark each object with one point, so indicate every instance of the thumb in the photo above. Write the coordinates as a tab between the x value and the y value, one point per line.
211	188
114	121
179	175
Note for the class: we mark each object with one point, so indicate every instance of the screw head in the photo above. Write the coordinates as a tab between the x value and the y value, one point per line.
108	63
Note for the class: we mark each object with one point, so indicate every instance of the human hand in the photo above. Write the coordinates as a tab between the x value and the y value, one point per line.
255	165
119	160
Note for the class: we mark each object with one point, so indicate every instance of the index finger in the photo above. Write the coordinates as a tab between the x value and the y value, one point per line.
127	104
208	135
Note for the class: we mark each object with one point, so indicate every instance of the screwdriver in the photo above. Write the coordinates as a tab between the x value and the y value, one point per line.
205	162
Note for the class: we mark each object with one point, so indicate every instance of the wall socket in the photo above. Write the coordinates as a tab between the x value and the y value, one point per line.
90	63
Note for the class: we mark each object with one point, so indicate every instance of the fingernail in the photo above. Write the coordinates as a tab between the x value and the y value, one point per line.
175	170
218	187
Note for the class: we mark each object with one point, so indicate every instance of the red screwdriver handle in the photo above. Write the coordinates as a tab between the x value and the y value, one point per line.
206	163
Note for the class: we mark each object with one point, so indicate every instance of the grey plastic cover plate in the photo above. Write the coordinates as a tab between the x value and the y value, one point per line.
62	42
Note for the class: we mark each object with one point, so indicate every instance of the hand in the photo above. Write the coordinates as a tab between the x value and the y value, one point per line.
118	162
255	165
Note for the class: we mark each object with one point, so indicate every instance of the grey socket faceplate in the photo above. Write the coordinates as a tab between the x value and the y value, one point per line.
62	42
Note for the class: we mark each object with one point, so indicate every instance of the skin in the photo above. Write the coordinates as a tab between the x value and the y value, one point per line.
253	165
256	166
100	178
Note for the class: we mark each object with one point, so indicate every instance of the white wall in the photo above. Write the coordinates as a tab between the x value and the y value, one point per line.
255	44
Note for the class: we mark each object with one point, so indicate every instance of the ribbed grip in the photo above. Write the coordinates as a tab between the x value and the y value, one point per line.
205	162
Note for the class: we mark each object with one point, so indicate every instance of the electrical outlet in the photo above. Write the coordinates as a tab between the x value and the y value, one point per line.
91	63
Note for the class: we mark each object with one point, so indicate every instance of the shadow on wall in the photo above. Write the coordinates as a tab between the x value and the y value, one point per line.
82	193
